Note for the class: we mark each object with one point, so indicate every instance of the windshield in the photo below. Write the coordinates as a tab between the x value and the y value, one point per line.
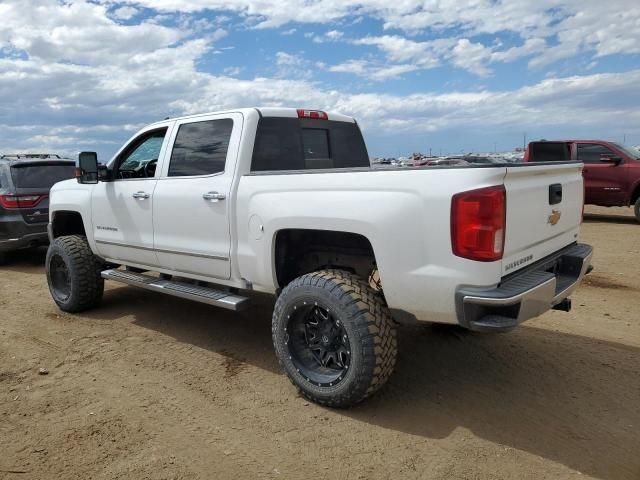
632	152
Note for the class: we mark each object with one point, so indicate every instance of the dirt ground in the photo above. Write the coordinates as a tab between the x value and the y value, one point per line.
154	387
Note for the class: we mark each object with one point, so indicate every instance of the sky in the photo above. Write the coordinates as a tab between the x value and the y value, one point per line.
419	75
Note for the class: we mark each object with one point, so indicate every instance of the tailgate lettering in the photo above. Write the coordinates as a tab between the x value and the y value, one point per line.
517	263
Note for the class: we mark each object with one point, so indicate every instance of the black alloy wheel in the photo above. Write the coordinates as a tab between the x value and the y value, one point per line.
318	343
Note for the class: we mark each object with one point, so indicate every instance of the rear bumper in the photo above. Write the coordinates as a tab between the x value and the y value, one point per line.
526	293
16	234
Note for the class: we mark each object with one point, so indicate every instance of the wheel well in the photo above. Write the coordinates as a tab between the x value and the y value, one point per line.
635	195
300	251
67	223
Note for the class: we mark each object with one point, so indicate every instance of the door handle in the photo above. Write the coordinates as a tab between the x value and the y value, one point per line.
141	195
214	196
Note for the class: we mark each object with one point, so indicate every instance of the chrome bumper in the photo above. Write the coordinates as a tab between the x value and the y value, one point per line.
525	294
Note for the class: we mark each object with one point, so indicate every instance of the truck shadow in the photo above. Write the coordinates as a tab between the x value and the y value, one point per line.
242	336
570	399
599	218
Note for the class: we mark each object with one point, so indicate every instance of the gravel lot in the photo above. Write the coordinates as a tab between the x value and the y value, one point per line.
155	387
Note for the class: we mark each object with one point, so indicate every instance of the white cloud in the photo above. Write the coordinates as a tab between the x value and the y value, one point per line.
77	33
462	53
370	70
471	56
283	58
125	13
593	26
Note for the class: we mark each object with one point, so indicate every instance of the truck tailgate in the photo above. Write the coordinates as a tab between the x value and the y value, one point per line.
540	220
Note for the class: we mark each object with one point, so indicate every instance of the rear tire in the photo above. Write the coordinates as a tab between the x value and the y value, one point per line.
73	274
636	209
334	337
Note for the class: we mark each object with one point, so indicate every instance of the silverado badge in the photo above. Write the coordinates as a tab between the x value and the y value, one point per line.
554	217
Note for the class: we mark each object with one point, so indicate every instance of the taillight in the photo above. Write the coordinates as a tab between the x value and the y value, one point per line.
478	219
21	201
315	114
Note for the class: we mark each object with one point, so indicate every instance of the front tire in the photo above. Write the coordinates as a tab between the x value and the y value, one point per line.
334	337
73	274
636	209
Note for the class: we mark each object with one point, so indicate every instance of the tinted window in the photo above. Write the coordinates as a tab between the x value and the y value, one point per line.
201	148
551	152
315	143
294	144
591	153
41	176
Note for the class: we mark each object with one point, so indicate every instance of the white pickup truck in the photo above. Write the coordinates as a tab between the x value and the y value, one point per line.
211	207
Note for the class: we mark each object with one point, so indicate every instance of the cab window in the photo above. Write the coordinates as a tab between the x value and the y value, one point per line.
201	148
592	153
140	158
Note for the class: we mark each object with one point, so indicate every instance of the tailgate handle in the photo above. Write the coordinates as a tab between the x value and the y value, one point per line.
555	193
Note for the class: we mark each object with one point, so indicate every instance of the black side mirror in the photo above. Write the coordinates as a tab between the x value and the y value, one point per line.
87	167
610	159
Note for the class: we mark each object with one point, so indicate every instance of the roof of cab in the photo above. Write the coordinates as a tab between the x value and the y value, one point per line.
288	112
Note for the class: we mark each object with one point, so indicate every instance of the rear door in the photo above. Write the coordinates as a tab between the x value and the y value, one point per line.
191	203
544	211
605	183
32	182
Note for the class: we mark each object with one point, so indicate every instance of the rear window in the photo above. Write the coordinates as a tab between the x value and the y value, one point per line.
41	176
305	144
551	152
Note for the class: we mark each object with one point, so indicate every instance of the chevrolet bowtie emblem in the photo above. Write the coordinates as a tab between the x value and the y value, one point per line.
554	217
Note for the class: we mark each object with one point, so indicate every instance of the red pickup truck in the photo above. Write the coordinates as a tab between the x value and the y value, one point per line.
611	171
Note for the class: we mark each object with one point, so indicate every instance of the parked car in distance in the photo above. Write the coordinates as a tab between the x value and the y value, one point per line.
439	162
611	170
482	160
25	180
285	202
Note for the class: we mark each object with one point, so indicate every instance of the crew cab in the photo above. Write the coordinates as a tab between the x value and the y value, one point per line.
611	170
25	180
284	201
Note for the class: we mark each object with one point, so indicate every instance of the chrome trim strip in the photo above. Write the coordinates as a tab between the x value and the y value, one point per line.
160	250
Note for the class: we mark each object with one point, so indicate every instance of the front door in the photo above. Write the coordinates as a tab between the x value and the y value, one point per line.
191	202
122	209
603	181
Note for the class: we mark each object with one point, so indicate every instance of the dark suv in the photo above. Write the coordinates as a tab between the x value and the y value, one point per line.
25	180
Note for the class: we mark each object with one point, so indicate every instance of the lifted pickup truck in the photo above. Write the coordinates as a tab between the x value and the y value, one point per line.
611	171
210	207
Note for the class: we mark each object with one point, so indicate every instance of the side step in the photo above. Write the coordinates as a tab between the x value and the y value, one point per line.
208	295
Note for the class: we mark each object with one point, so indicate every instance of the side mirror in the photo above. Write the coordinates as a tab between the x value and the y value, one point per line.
87	167
610	159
